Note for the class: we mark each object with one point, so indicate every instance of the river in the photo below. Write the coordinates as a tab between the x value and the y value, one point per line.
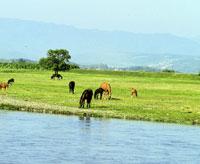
29	138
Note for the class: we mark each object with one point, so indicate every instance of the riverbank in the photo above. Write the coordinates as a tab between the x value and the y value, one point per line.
163	97
11	104
7	103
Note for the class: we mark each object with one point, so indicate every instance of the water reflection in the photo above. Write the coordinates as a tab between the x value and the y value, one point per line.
85	125
85	117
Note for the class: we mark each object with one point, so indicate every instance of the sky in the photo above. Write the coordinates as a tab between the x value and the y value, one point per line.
179	17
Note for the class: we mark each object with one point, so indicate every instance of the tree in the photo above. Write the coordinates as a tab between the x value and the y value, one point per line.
56	59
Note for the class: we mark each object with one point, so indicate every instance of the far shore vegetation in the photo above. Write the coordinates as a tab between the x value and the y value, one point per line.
162	96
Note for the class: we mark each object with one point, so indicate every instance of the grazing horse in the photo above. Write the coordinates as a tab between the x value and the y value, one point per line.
4	85
97	92
86	95
134	92
11	81
59	76
107	88
71	86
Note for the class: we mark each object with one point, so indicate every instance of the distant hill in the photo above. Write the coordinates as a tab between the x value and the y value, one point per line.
31	40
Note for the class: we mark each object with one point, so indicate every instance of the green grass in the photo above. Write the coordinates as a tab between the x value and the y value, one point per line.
163	97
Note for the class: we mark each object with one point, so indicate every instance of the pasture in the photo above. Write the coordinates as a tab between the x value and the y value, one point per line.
163	97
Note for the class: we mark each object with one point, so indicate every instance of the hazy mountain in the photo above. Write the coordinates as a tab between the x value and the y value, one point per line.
29	39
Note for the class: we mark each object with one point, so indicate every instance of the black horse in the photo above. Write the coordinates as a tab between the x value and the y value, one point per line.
11	81
71	86
97	92
59	76
86	95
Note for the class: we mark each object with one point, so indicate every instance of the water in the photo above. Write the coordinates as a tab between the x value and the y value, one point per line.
40	138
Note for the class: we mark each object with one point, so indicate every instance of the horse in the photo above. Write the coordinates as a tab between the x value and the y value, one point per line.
59	76
11	81
71	86
53	76
107	89
134	92
4	85
86	95
97	92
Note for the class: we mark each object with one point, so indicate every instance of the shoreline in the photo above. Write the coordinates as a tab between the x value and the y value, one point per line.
11	104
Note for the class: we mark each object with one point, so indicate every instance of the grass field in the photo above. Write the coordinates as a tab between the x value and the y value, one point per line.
163	97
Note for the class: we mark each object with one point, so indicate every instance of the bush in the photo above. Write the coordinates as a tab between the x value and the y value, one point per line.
168	70
20	65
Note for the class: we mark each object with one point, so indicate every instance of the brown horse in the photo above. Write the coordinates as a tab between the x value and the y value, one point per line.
134	92
4	85
107	89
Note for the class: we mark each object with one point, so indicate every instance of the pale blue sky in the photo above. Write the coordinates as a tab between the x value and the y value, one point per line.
179	17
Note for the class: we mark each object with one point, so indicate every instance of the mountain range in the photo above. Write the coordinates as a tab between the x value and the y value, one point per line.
31	40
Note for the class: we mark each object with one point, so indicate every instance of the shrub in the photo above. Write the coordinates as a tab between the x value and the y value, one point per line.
168	70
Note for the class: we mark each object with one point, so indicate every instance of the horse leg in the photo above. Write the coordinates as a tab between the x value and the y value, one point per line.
88	105
106	94
81	106
101	96
109	98
136	94
95	95
4	90
83	103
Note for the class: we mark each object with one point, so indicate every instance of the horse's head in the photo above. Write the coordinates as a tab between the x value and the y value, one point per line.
96	95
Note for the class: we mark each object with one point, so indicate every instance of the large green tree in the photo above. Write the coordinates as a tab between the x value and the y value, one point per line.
56	60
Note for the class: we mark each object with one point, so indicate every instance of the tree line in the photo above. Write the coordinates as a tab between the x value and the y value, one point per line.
56	60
